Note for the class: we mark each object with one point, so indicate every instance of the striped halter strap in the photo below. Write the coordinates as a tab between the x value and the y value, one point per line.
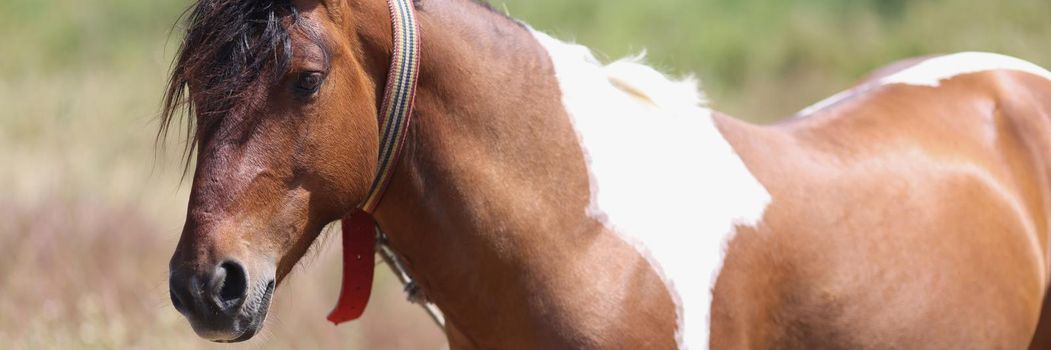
359	228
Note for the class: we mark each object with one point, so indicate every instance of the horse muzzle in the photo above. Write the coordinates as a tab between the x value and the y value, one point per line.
223	304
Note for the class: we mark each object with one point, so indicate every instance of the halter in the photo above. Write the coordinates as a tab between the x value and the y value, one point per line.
360	230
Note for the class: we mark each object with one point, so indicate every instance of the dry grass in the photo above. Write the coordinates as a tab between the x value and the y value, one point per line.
80	275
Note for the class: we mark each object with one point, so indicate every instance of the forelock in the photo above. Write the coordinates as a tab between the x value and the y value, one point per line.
230	49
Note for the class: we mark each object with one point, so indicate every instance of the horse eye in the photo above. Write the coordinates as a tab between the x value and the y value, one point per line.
308	83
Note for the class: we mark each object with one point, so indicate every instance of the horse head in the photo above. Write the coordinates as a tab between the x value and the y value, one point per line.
282	112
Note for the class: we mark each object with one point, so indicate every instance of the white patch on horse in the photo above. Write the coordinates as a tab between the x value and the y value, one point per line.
662	175
933	71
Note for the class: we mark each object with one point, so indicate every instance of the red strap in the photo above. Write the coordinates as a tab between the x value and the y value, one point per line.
359	229
359	261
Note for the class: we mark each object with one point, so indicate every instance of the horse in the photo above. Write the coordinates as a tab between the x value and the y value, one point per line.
544	200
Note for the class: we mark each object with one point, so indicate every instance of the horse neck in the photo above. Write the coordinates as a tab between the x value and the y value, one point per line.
492	183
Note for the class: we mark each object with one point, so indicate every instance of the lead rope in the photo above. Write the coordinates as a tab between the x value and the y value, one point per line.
411	288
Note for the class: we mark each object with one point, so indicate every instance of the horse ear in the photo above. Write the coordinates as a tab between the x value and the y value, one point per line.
336	9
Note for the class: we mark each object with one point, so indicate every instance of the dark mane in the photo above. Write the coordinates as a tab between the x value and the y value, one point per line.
231	49
230	46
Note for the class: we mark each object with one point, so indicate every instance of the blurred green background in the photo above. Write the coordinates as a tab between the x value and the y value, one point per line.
90	210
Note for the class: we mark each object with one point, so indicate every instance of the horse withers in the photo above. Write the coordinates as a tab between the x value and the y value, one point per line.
543	200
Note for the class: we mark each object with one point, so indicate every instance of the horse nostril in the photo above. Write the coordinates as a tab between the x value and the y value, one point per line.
234	282
175	301
174	289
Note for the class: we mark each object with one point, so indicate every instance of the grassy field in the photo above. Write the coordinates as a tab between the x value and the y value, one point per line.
90	210
765	59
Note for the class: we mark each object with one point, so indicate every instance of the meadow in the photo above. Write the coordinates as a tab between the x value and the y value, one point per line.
91	207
